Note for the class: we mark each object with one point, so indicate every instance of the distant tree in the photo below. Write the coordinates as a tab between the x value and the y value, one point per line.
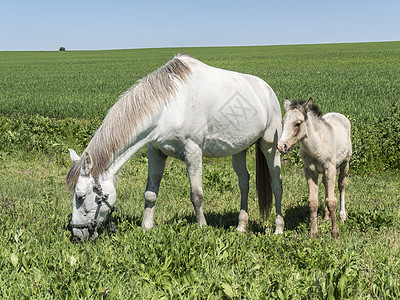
62	49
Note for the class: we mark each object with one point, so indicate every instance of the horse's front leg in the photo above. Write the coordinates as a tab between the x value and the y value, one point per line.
330	201
193	159
239	165
312	182
156	164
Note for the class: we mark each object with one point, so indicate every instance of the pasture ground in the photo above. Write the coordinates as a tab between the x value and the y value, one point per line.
62	97
179	259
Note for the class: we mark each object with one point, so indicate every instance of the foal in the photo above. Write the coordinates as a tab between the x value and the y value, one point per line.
325	145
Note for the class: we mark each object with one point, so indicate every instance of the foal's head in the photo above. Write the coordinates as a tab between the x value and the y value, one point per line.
294	128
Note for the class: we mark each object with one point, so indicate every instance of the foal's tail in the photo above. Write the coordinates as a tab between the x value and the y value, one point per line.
263	184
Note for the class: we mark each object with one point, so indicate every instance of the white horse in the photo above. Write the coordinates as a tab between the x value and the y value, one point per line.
186	109
325	145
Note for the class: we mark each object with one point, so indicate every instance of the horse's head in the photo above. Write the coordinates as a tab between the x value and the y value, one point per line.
93	197
294	128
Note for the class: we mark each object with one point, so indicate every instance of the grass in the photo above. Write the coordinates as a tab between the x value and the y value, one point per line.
63	96
179	259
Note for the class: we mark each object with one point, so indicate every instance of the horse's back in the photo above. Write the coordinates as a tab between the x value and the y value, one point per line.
213	79
222	111
235	95
341	134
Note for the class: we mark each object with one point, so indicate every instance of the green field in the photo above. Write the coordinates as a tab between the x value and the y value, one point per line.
50	101
356	79
43	94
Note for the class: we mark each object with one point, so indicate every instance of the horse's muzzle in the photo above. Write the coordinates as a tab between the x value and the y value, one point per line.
283	147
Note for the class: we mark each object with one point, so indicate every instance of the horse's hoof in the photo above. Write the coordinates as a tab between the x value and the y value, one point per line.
280	225
147	226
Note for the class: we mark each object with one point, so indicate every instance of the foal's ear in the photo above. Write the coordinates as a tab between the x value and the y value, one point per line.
74	156
309	104
87	164
286	104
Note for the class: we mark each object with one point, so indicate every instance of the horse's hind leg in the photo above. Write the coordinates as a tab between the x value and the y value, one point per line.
239	165
156	164
193	159
273	159
344	168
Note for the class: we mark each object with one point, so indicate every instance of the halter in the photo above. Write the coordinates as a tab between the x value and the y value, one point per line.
100	198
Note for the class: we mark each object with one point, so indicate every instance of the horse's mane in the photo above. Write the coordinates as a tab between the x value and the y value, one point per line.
134	107
313	108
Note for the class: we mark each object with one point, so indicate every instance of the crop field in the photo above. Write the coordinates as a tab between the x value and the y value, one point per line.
52	101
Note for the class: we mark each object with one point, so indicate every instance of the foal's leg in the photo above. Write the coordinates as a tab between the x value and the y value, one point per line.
344	168
327	215
239	165
273	158
331	202
312	182
193	159
156	164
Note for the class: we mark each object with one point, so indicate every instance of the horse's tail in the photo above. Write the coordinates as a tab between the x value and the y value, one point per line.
263	184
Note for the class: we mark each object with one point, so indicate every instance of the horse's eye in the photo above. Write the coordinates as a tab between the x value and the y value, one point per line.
297	125
80	198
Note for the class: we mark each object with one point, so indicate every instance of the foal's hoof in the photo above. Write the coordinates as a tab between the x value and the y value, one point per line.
335	234
202	224
241	229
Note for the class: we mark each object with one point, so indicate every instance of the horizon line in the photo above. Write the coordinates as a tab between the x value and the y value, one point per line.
202	46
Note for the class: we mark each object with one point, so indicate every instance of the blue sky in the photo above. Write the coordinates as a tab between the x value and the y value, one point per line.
123	24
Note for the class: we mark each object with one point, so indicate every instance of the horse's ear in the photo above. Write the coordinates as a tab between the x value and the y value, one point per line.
87	164
308	104
74	156
287	104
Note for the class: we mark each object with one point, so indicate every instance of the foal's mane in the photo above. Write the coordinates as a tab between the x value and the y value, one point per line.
313	108
134	107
